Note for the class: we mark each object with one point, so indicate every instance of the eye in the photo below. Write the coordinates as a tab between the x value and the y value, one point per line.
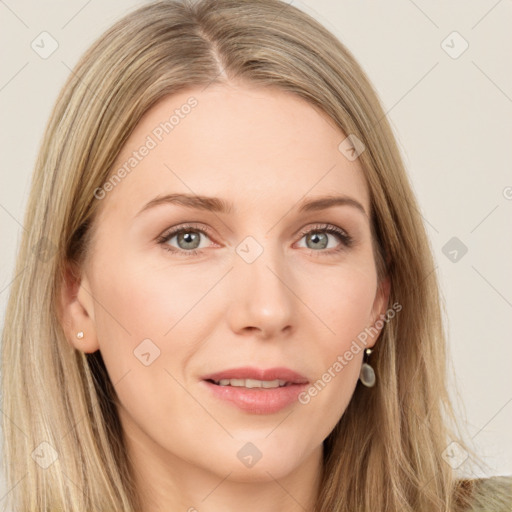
318	238
188	239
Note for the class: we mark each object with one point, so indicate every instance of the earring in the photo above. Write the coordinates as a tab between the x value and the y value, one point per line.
367	374
80	335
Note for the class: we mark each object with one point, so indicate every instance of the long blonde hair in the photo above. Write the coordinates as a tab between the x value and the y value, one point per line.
63	444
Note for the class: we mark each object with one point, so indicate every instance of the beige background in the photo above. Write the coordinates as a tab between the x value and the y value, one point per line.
453	121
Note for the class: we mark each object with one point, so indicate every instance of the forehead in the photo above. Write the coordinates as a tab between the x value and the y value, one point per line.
250	144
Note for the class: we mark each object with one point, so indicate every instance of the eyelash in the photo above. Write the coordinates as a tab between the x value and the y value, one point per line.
346	240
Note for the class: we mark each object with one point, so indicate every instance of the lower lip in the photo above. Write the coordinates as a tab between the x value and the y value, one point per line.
258	400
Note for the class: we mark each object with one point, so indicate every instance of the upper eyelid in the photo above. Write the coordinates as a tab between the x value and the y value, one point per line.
175	230
318	226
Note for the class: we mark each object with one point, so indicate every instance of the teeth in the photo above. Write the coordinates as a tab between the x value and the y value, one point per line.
251	383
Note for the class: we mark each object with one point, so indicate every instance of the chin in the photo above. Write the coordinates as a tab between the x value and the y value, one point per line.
267	462
261	472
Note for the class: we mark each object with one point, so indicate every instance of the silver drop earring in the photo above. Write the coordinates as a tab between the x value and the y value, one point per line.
80	335
367	374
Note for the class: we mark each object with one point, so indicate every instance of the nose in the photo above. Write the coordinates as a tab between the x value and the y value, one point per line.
262	301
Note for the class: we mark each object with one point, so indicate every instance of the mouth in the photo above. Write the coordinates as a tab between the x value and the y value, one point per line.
256	390
251	383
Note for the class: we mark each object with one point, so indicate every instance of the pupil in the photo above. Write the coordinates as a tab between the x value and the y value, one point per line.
315	238
188	238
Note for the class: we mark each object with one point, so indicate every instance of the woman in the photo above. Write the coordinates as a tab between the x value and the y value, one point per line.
225	297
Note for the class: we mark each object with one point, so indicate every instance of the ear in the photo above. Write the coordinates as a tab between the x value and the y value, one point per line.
76	310
380	306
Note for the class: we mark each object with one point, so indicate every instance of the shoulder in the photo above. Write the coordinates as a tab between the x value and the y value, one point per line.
485	494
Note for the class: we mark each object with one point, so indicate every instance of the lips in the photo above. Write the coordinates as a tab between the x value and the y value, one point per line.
238	387
248	372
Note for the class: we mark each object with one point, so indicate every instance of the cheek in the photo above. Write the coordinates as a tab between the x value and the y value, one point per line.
150	319
344	304
147	328
342	299
147	294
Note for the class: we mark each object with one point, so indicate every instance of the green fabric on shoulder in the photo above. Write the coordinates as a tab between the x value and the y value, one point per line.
493	494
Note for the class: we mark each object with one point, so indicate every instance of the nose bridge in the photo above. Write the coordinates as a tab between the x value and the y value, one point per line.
263	298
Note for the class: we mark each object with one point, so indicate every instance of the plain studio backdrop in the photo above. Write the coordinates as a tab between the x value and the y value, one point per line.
443	73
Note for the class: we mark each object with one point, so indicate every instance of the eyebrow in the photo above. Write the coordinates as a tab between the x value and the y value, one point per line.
218	205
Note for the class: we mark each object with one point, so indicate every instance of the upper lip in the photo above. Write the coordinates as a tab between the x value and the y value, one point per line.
249	372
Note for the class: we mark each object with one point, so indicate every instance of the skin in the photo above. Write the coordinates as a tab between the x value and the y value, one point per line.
264	150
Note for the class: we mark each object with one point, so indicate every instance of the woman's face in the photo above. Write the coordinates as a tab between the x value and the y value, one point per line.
241	287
